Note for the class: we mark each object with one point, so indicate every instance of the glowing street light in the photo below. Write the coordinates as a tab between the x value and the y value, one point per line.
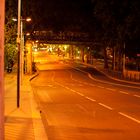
28	19
27	34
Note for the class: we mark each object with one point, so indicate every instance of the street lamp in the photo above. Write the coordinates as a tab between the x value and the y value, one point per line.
19	42
124	60
28	19
18	46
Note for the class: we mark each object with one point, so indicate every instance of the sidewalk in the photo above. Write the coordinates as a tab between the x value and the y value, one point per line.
111	74
23	123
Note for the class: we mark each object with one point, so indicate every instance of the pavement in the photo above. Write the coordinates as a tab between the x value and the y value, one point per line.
23	123
111	74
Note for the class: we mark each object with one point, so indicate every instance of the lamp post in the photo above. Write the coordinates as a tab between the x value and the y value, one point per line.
2	17
19	47
124	60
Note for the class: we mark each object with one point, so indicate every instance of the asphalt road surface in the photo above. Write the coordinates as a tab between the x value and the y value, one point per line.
80	103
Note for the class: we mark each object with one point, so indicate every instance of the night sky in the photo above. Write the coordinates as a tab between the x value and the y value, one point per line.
59	14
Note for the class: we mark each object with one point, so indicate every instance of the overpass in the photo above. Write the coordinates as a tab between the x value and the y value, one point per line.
68	44
71	38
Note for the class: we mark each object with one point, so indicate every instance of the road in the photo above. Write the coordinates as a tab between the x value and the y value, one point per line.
79	103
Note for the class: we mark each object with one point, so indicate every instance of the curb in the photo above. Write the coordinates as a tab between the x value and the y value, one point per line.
35	75
130	82
39	128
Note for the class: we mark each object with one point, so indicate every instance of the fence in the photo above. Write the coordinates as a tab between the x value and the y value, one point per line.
132	75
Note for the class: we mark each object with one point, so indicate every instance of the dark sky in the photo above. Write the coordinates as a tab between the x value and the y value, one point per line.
58	13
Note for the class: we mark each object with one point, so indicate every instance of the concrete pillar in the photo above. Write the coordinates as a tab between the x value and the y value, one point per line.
2	17
82	54
29	57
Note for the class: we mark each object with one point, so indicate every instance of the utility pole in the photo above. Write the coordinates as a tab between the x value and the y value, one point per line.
18	46
124	59
21	51
2	20
114	58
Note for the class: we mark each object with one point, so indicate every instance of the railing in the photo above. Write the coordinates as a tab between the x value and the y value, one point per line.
132	75
61	36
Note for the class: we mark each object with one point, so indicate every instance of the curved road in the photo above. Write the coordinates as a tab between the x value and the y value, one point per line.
76	106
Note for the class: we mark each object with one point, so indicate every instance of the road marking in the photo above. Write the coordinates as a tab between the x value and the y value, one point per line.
137	96
129	117
53	75
50	85
111	89
105	106
76	92
81	81
124	92
70	89
79	93
67	88
80	85
91	85
81	107
100	86
90	99
85	83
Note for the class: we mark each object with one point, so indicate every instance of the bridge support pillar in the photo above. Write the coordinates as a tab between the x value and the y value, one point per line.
28	59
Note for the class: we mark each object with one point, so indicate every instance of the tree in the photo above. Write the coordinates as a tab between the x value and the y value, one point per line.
117	22
10	33
105	32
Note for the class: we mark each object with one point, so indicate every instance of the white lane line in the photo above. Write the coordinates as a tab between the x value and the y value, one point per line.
53	75
91	85
137	96
105	106
50	85
90	99
72	90
111	89
80	85
79	93
67	88
100	86
129	117
81	107
85	83
124	92
76	92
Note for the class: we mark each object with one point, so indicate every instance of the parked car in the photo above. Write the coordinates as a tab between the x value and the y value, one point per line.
10	66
